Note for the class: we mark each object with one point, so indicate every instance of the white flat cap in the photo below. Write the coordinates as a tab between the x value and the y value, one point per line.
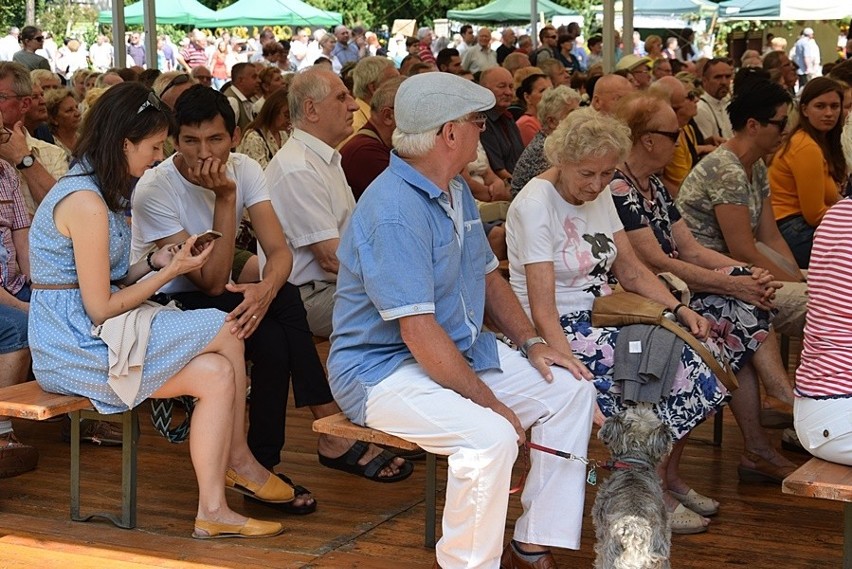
426	101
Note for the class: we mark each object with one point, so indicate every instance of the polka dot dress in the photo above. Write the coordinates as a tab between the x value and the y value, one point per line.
66	357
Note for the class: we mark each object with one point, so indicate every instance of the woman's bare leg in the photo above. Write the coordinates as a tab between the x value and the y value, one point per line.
209	378
669	473
745	404
772	371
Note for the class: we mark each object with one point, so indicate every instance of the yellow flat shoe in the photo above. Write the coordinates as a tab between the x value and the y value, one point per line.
274	490
251	529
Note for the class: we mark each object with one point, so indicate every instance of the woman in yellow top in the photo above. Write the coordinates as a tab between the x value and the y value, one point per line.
806	175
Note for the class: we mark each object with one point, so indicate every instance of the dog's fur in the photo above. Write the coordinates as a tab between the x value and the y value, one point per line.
631	522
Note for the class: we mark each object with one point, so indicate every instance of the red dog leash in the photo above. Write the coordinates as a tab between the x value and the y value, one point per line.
591	477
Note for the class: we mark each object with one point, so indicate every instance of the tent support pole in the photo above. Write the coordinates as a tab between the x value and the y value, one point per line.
627	24
150	22
118	42
534	22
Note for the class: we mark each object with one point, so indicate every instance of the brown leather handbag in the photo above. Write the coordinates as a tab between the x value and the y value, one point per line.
622	308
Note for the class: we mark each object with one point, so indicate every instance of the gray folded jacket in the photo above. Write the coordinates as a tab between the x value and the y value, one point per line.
646	376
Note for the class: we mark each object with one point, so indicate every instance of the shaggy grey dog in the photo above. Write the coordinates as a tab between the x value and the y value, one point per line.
631	521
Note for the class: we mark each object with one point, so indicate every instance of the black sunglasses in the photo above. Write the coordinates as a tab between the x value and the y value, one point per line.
178	80
671	135
154	102
780	123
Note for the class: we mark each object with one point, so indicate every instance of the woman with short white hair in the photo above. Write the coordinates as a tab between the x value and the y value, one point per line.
564	237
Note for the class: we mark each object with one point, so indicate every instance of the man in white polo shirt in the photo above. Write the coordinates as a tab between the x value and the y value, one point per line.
309	190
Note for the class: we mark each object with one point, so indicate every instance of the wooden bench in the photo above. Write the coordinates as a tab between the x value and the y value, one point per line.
29	401
339	426
829	481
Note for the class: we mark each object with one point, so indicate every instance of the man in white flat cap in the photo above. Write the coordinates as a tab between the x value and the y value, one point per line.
409	355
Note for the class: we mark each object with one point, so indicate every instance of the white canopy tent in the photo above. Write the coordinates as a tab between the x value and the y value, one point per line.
785	9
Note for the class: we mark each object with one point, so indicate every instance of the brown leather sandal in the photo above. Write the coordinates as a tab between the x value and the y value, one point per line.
763	470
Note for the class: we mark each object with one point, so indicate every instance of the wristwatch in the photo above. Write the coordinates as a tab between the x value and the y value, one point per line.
530	343
25	162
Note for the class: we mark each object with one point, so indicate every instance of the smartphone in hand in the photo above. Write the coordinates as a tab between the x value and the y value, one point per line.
207	237
203	238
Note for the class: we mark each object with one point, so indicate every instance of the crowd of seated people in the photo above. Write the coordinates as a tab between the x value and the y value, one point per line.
726	180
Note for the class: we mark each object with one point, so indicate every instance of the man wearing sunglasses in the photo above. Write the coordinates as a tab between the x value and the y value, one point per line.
31	39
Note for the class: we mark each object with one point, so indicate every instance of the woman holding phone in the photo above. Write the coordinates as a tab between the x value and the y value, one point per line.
84	286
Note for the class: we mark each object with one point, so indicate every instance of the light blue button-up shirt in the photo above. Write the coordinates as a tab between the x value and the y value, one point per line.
408	250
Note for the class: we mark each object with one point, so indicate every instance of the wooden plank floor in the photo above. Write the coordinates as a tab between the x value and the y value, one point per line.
360	524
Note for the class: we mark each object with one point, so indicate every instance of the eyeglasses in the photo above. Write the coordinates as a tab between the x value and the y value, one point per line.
780	123
478	119
178	80
153	101
4	97
671	135
642	69
39	38
693	96
5	135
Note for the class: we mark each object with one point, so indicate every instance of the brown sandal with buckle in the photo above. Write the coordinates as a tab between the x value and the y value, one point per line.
763	470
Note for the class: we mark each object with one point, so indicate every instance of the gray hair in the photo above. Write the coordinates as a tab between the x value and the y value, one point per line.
413	145
585	134
554	101
39	75
368	73
846	141
421	33
22	85
311	84
385	94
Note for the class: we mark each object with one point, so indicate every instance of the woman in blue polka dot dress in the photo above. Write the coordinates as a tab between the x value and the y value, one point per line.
82	278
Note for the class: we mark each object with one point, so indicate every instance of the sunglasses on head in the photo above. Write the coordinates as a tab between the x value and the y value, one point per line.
153	102
178	80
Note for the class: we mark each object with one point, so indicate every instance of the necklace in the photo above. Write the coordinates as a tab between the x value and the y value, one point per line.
635	180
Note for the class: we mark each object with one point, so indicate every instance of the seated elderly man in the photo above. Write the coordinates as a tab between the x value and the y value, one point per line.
367	153
609	90
501	138
369	73
409	356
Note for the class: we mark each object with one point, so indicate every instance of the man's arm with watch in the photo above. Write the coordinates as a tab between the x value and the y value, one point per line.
503	308
18	153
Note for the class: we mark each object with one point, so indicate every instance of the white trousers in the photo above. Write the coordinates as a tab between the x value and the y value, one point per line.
824	427
482	446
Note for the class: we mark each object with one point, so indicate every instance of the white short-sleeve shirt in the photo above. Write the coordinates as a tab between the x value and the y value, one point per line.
165	203
312	199
578	239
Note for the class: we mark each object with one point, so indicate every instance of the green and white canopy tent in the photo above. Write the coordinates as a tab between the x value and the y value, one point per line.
271	12
509	11
785	9
176	12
